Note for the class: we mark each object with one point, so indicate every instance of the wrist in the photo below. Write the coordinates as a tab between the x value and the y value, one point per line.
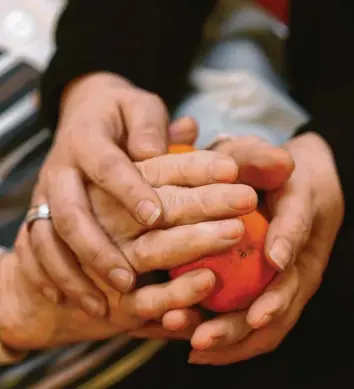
29	321
25	324
93	81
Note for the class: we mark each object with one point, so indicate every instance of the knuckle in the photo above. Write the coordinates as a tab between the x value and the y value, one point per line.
96	258
148	304
153	99
183	168
69	285
142	260
174	202
36	277
37	240
66	222
154	174
303	226
204	201
105	168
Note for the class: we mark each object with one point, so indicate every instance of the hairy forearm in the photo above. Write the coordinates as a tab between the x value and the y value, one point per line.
28	321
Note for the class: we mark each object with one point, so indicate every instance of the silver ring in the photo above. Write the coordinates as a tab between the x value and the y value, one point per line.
37	212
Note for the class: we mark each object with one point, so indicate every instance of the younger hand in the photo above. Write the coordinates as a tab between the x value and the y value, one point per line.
306	214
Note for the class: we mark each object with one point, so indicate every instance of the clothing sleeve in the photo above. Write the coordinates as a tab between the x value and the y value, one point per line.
151	43
321	69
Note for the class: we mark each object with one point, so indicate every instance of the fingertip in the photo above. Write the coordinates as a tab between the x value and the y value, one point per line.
202	336
264	309
260	322
269	170
205	278
175	320
122	280
52	294
183	130
223	169
94	306
148	212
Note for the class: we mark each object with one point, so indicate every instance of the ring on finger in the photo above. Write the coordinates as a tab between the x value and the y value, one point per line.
37	212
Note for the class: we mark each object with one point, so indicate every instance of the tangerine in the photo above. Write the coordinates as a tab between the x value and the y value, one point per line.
242	272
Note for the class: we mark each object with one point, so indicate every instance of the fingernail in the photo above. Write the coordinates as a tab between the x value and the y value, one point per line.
121	279
230	229
175	129
178	325
264	321
93	306
51	294
242	202
208	344
203	281
280	253
223	170
148	212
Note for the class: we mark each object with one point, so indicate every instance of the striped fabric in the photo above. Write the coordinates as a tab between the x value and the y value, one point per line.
23	146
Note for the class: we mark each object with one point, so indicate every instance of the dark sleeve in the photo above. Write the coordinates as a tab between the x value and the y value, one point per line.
321	69
152	43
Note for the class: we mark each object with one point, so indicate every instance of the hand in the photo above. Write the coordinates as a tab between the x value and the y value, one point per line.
193	226
306	214
260	165
102	116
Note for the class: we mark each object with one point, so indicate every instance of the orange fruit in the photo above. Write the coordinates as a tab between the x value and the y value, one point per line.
242	272
180	148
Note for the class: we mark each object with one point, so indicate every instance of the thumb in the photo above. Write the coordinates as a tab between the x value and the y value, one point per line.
183	131
276	299
261	165
289	230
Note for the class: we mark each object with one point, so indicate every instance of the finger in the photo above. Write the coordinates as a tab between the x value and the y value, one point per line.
146	120
162	250
291	207
276	299
176	324
182	319
155	330
209	202
183	131
257	343
113	171
61	266
73	221
32	269
189	169
221	331
152	302
261	165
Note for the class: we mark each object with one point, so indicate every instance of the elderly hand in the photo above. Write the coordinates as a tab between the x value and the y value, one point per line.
194	225
306	213
105	124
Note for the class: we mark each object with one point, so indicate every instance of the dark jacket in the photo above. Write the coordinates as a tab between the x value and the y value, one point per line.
153	43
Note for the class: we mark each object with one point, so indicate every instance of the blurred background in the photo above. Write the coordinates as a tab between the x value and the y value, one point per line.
237	83
26	25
